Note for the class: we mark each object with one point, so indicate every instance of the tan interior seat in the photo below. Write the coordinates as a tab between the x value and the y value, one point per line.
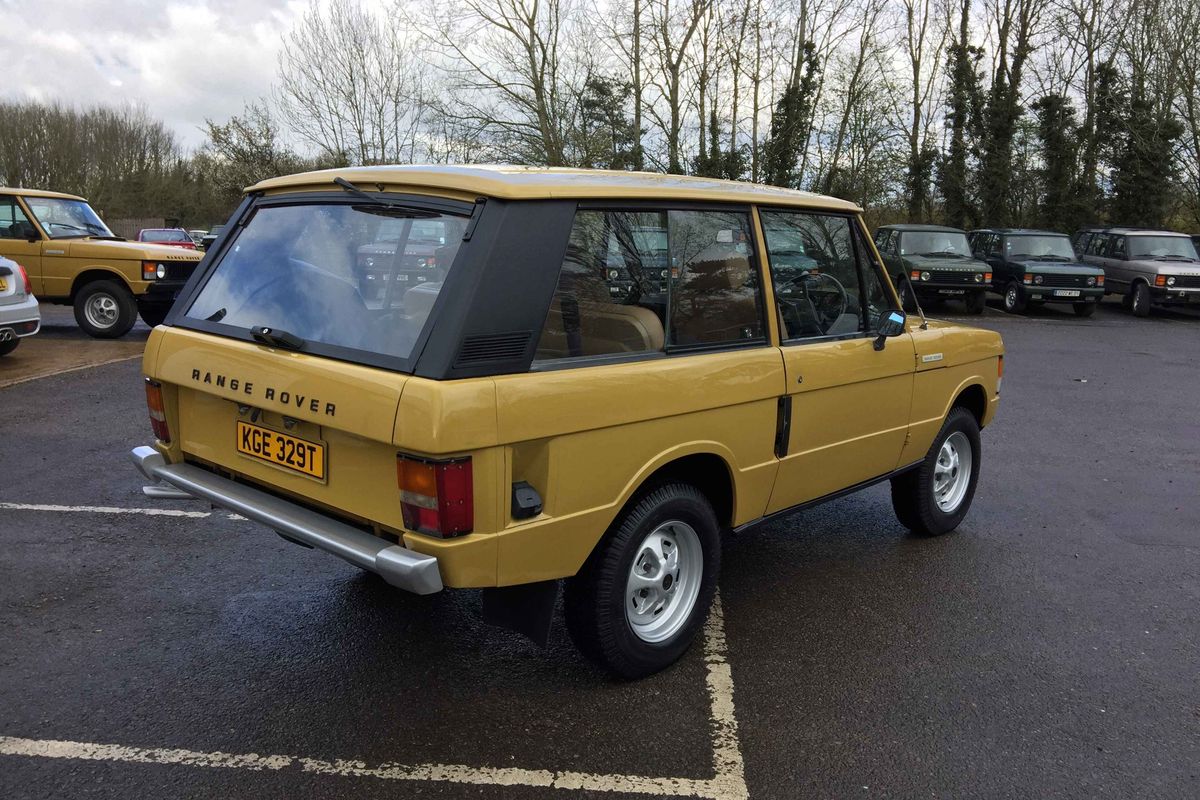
605	327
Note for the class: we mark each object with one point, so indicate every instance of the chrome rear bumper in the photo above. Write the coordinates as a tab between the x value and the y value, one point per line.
397	565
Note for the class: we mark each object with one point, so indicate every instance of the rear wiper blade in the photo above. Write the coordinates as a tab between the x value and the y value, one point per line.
277	338
396	209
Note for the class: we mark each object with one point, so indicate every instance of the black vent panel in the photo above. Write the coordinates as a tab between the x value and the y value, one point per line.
492	347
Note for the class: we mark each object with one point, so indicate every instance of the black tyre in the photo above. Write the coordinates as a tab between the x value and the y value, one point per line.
1014	298
153	313
105	309
645	591
1085	309
9	346
1127	301
935	497
1140	300
976	302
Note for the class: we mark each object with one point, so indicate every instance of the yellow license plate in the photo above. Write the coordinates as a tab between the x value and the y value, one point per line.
281	449
3	285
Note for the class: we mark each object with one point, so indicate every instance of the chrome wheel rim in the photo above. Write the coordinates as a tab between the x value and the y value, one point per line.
1010	298
1138	299
101	310
664	581
952	472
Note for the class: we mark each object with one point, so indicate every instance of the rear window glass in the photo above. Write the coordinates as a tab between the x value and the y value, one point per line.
349	276
167	236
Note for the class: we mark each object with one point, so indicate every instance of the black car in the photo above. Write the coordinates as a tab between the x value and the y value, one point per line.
1031	266
937	263
206	241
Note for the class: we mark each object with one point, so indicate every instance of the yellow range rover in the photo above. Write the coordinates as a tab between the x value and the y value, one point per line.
73	258
503	377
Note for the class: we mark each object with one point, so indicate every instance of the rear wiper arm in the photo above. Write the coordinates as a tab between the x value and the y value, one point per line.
277	338
400	209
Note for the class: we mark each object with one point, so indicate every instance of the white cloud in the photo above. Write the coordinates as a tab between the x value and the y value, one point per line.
183	60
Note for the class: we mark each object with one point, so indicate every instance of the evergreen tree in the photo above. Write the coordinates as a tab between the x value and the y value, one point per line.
1059	207
964	102
607	138
791	122
1144	172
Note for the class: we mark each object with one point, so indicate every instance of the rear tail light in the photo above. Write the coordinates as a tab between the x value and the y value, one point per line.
25	279
436	496
158	414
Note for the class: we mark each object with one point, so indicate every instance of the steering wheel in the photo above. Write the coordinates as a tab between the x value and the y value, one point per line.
822	308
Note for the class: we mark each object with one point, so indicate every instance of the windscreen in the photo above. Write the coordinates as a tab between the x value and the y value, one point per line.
318	272
1167	247
1045	248
934	243
67	219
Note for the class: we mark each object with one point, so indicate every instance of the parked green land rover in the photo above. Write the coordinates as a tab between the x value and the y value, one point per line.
937	263
1031	266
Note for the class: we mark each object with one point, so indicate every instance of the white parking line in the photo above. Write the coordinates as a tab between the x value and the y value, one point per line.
728	782
150	512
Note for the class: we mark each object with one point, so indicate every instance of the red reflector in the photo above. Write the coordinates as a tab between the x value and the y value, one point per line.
158	414
436	497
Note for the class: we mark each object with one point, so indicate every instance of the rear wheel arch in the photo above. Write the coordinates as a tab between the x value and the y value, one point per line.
708	472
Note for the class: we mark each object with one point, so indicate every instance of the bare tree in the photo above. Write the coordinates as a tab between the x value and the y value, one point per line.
672	32
350	85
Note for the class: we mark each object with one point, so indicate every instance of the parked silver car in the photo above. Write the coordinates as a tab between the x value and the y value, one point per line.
19	314
1148	267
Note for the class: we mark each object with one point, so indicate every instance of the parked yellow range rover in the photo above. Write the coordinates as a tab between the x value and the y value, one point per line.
73	258
555	374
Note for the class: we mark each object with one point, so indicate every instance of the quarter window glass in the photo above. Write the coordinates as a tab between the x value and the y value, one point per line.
1098	245
816	266
644	281
13	222
1116	248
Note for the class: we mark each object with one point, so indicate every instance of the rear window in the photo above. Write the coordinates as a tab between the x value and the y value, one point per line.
167	236
361	278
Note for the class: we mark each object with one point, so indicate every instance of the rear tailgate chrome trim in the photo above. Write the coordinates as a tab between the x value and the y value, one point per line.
397	565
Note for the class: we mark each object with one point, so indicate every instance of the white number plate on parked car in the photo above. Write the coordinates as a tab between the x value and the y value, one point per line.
1066	293
952	291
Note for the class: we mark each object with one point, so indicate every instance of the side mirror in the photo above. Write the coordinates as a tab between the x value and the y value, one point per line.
891	323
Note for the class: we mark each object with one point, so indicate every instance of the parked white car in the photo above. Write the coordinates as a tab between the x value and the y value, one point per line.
19	314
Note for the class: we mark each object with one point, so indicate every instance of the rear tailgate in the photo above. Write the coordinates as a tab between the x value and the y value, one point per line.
331	420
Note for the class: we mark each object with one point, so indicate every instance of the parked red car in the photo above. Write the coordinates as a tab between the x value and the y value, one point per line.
173	237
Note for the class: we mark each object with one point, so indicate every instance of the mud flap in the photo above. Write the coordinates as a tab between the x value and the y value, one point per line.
527	609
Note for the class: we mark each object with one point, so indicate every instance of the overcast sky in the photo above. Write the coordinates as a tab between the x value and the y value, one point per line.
183	60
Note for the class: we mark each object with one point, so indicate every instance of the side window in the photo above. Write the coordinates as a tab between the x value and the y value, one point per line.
824	283
1097	245
1116	247
13	222
1082	242
647	281
883	241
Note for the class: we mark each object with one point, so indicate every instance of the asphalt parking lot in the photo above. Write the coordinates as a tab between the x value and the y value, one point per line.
1048	648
